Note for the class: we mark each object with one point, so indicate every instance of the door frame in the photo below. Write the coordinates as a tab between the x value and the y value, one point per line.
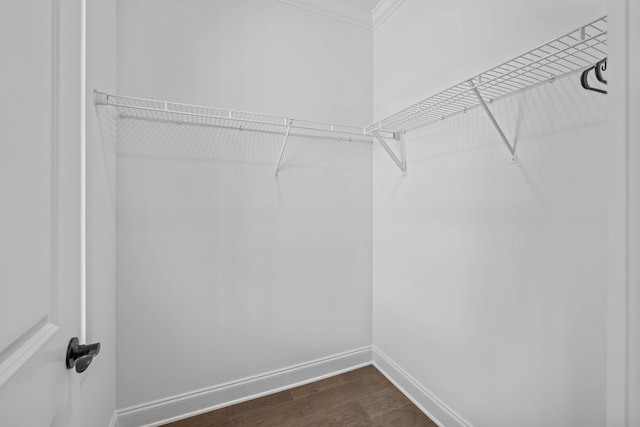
623	302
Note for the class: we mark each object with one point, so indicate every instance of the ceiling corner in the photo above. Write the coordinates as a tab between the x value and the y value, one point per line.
383	10
334	9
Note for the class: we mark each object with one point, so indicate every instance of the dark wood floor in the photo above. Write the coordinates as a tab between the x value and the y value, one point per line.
363	397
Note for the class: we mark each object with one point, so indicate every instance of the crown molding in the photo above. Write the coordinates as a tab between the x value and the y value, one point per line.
383	10
334	9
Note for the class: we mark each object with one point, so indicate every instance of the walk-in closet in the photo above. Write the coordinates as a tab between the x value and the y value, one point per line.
302	213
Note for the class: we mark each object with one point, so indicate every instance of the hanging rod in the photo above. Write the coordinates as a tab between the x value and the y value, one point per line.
164	111
568	54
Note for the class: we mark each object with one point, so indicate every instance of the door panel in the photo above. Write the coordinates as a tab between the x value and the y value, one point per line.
25	168
40	57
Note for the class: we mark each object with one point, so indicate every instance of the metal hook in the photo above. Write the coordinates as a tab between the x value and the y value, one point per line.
599	68
584	80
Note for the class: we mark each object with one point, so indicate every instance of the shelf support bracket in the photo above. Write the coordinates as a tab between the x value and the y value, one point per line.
284	145
484	105
402	164
100	98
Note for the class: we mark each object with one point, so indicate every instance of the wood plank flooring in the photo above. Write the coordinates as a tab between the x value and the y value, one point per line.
359	398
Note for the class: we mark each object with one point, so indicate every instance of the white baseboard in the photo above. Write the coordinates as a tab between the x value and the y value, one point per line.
197	402
114	420
440	413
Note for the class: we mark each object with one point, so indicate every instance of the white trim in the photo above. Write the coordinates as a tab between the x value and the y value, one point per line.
24	349
55	169
618	222
83	172
114	420
424	399
334	9
623	299
633	211
383	10
208	399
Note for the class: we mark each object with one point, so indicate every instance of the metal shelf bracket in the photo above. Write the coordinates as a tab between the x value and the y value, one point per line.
402	164
100	98
485	107
284	145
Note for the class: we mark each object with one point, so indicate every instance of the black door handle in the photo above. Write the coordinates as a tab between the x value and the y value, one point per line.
81	356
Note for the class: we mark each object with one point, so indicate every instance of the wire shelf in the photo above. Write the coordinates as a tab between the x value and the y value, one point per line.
565	55
163	111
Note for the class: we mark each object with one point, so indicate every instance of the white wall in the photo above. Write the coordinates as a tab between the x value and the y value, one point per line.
225	271
489	279
98	391
249	55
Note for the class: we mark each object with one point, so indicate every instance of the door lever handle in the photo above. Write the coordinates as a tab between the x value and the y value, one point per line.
81	356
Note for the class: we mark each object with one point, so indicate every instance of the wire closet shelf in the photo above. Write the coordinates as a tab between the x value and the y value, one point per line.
172	112
565	55
571	53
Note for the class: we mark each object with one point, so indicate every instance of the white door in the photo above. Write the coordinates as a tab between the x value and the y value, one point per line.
40	209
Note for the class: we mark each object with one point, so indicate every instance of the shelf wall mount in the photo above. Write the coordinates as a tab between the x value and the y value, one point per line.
511	147
402	164
284	145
